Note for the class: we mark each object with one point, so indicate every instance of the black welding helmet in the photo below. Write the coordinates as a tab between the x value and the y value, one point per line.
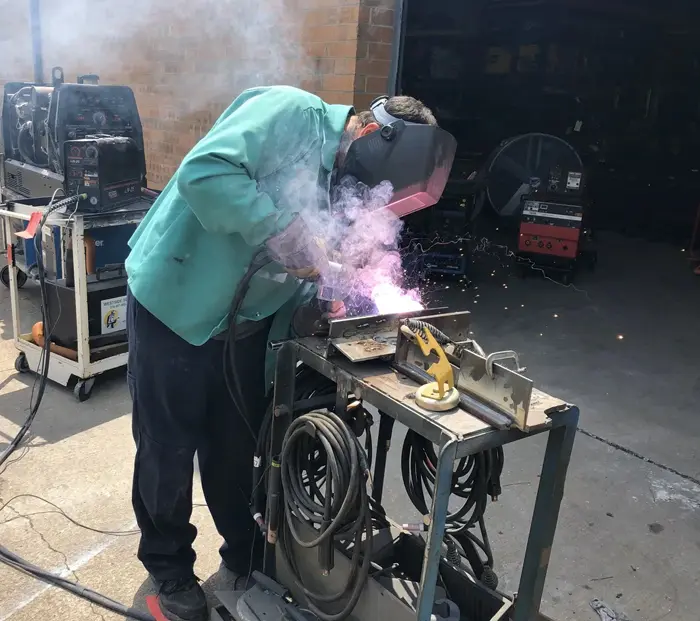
415	158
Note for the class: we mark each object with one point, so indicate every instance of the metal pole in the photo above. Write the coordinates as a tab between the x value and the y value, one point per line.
397	48
438	518
37	52
544	519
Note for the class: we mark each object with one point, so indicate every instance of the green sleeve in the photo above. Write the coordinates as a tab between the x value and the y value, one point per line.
254	138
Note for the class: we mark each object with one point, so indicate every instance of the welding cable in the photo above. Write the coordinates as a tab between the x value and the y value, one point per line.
18	563
474	479
338	512
46	319
311	391
233	383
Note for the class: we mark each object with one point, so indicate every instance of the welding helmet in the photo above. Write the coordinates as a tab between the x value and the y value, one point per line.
414	158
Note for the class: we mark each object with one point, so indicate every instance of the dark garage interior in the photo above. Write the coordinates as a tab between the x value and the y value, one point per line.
619	81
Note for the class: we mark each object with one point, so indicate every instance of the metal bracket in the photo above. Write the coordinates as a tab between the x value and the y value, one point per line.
503	355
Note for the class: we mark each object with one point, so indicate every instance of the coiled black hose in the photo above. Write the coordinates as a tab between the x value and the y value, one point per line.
474	479
324	478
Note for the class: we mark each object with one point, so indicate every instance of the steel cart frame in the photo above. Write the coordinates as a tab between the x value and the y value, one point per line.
457	435
61	369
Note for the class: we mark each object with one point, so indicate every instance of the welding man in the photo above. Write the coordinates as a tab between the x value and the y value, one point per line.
238	191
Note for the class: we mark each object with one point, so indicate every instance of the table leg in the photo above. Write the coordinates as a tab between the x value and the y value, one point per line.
544	519
438	517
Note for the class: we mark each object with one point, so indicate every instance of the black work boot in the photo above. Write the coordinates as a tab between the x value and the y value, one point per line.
183	600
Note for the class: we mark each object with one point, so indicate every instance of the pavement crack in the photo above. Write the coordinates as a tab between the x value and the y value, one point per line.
632	453
48	544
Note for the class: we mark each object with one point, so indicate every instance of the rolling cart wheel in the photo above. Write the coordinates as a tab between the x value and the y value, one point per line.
21	363
83	389
5	277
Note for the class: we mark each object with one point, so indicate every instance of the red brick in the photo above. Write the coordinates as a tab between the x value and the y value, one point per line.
336	97
345	66
376	34
377	68
316	48
362	101
380	16
349	15
342	49
376	85
338	83
379	51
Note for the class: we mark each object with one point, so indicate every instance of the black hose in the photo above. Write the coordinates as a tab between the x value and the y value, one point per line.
233	383
474	479
324	478
12	560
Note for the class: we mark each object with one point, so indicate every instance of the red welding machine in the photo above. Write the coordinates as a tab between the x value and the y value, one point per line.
552	228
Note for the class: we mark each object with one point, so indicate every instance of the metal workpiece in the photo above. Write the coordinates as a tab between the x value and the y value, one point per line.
457	434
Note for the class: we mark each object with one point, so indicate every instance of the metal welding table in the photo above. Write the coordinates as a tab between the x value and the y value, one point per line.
457	434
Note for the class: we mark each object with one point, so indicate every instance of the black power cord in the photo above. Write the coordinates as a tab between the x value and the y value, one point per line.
6	556
324	472
233	383
46	353
474	479
12	560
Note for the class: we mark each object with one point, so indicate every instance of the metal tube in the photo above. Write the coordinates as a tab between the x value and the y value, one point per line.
386	428
544	519
37	52
283	404
438	517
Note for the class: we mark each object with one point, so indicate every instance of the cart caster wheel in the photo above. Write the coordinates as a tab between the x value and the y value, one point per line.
5	277
83	389
21	363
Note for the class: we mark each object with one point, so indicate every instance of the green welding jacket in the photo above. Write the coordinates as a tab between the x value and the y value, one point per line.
266	157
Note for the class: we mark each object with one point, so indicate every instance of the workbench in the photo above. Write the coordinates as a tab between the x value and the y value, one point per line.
456	434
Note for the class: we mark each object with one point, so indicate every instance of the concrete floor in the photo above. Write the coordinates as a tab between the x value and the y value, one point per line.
629	530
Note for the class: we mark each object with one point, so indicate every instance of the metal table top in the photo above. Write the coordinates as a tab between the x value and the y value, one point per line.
393	394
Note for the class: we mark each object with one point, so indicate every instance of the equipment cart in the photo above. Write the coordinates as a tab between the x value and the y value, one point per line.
371	360
89	309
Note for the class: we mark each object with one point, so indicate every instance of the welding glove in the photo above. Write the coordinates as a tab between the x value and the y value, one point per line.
298	251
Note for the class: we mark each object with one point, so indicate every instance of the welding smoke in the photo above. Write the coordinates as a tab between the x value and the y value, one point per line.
200	53
362	235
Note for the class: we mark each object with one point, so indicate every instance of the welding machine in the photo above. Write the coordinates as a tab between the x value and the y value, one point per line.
551	223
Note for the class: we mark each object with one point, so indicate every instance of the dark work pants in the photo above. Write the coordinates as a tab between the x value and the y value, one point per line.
181	406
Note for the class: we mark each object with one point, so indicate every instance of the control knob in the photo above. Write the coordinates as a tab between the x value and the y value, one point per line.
99	118
91	152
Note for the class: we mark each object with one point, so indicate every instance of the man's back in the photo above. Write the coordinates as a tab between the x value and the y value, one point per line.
242	183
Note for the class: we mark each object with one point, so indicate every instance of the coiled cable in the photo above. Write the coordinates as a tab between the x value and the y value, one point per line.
474	479
324	472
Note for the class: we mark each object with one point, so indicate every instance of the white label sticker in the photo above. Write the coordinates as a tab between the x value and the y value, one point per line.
113	315
578	126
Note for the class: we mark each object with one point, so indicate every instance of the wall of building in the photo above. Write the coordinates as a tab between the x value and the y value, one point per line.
186	60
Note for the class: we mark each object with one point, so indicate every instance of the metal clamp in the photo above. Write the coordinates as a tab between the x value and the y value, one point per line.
503	355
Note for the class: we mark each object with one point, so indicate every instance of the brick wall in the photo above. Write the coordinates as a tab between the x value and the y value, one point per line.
374	49
186	60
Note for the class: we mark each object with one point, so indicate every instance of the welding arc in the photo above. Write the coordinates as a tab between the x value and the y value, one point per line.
12	560
474	479
324	478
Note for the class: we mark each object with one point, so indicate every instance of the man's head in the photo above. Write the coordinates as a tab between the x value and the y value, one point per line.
401	107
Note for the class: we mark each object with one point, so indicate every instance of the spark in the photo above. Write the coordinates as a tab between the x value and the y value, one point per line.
505	308
541	334
620	337
522	306
556	316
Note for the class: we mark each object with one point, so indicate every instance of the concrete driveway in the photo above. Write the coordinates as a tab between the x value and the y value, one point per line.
629	530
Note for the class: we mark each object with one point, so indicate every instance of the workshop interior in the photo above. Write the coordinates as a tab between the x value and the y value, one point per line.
555	123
